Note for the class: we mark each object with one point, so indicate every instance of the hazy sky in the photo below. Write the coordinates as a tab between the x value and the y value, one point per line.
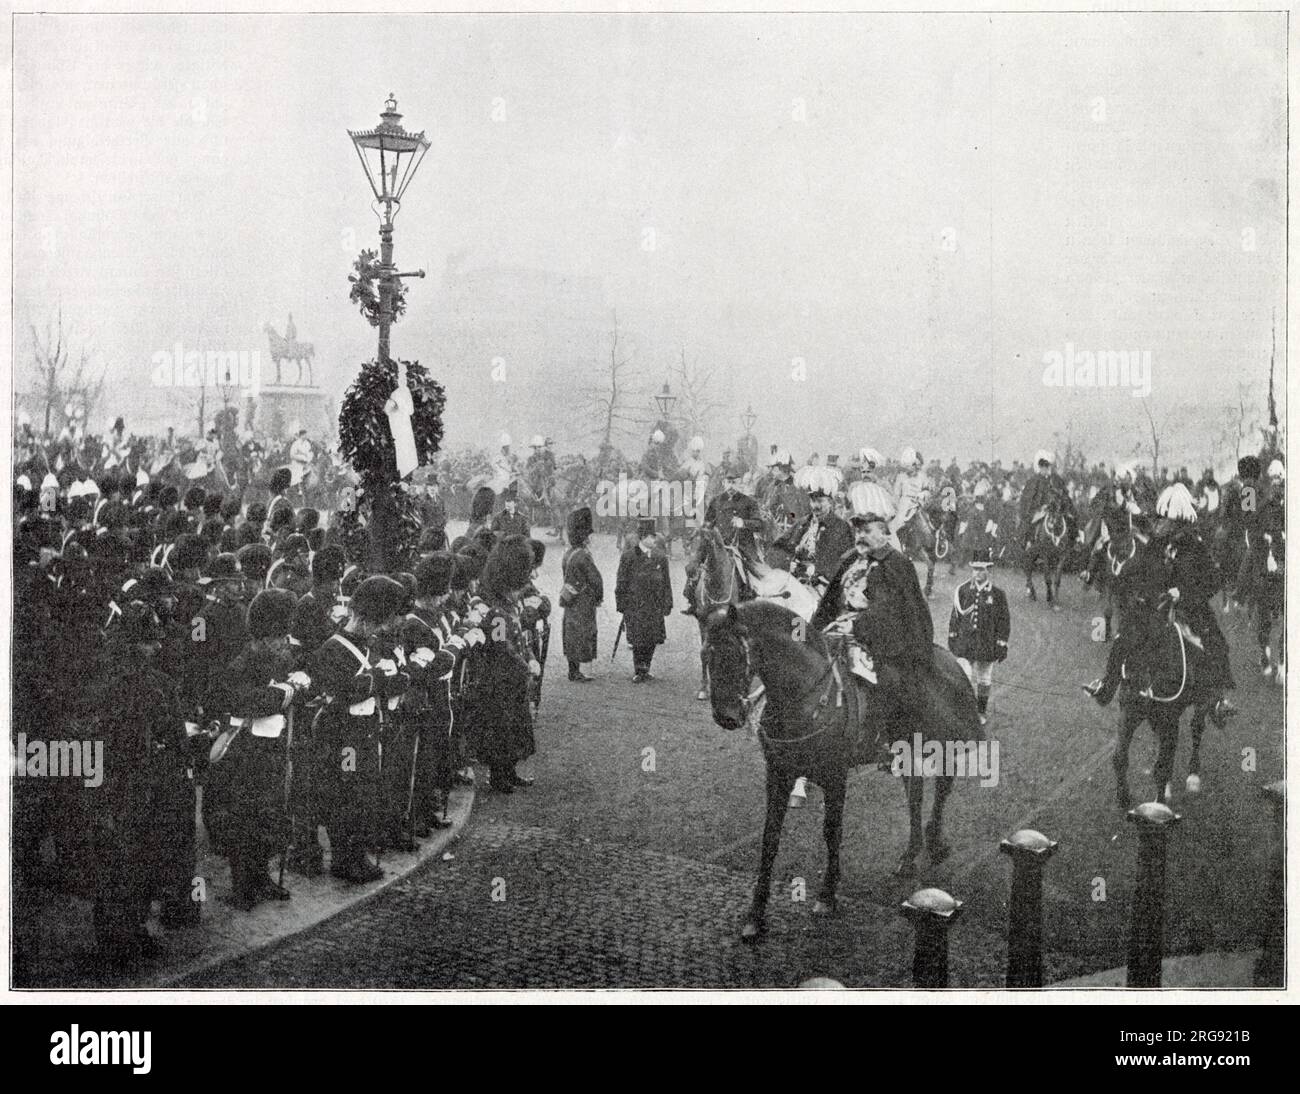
919	207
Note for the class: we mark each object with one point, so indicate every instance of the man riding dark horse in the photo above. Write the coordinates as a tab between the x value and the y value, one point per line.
1182	571
817	543
736	516
1045	490
876	597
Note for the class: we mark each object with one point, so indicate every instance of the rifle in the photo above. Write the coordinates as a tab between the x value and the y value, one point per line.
622	625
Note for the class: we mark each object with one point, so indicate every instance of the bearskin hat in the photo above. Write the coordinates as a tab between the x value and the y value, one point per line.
257	513
254	560
152	585
195	496
352	578
190	552
408	584
1249	467
281	480
509	566
213	504
308	519
467	566
539	552
270	615
168	496
140	624
109	483
230	509
328	564
153	491
174	525
248	533
579	526
282	519
481	507
485	539
433	575
316	538
294	545
212	530
223	567
378	598
229	540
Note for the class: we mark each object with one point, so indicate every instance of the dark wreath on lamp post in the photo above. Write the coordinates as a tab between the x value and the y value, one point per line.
380	522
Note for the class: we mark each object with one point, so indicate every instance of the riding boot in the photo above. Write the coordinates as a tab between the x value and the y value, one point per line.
982	702
1103	690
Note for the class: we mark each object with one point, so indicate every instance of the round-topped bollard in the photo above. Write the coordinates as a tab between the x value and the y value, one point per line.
1146	943
931	912
1029	851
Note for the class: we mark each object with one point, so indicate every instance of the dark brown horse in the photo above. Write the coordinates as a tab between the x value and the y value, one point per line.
1049	545
813	725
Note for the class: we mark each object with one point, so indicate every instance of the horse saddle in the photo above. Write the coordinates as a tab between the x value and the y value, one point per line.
855	691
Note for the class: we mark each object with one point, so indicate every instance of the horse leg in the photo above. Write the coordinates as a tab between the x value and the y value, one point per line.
1128	723
832	829
1166	726
779	782
929	571
935	845
1030	563
914	788
1194	763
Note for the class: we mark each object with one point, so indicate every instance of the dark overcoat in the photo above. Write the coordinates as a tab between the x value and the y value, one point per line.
643	594
579	570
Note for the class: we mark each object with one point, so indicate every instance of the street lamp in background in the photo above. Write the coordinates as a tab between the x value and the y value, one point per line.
747	448
390	157
666	400
748	419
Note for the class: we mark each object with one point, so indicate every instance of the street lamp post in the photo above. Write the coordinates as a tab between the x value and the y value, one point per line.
665	400
748	419
390	157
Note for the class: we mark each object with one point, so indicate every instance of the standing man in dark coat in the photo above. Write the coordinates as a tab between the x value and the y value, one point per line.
583	591
510	521
643	595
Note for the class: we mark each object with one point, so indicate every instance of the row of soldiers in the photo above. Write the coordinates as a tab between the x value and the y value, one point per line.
299	693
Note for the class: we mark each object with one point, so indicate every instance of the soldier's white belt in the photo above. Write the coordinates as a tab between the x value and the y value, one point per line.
363	709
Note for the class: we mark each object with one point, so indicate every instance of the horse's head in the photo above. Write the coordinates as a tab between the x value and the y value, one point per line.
730	671
716	582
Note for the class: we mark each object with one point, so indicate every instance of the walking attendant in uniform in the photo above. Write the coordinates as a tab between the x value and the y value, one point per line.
980	627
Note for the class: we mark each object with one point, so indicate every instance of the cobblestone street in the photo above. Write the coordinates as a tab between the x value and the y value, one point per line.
630	863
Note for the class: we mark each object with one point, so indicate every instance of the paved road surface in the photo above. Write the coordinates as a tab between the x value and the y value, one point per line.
618	871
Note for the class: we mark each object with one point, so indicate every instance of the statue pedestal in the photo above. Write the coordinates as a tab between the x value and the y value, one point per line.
283	410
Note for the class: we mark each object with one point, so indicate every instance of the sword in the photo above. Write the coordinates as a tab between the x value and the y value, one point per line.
622	625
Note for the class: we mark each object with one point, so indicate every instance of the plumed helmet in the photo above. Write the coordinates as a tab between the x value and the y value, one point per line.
281	480
1126	469
870	457
1277	470
140	623
1175	502
270	615
909	457
505	440
697	444
1043	456
254	560
328	563
378	598
657	436
433	575
1249	467
190	552
510	565
580	526
537	441
782	458
481	507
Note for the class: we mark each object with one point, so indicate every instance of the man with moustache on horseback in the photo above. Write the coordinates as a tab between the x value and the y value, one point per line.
875	598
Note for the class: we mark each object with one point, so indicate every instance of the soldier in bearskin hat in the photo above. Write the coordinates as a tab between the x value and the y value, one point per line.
979	627
281	480
480	512
502	713
581	595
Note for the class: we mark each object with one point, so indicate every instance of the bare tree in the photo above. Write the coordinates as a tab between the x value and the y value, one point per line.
61	382
696	405
1154	446
610	402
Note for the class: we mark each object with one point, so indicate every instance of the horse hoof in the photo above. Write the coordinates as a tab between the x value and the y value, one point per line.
752	932
906	868
1193	784
829	906
702	696
1168	795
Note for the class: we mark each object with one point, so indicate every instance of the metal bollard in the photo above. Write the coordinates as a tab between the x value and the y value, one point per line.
932	912
1029	851
1270	966
1146	943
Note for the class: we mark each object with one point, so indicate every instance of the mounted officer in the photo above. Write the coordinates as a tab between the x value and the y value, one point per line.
1045	488
818	542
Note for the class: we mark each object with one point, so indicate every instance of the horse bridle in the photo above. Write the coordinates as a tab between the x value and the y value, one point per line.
712	602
